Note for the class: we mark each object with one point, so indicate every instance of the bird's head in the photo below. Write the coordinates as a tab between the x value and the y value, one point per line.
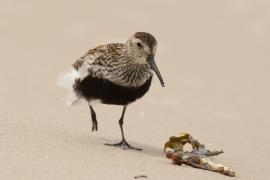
142	48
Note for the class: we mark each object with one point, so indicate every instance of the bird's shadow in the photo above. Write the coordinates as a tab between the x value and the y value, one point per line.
85	139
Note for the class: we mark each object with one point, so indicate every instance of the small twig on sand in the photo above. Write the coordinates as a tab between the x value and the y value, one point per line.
197	158
140	176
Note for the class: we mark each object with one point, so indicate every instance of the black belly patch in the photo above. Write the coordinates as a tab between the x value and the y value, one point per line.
95	88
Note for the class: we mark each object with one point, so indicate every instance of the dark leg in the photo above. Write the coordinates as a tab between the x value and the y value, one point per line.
123	144
94	119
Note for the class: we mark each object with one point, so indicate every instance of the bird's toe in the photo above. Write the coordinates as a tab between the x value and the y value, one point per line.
124	145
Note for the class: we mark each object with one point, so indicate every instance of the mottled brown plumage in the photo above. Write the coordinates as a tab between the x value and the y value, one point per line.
117	63
117	73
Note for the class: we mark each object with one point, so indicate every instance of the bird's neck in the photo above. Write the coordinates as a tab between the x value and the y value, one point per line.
133	73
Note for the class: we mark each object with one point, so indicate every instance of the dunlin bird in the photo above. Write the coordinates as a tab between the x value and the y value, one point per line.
117	73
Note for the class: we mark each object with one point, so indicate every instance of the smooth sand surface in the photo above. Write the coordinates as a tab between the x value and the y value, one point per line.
214	58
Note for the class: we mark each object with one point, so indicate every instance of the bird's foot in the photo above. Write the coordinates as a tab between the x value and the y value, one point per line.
124	145
94	126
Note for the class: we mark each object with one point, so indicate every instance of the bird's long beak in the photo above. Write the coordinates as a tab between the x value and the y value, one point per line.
152	63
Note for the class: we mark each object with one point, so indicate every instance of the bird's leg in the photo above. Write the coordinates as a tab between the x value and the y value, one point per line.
94	118
123	144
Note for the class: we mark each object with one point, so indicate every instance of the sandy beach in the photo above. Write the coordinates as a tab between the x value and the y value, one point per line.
213	56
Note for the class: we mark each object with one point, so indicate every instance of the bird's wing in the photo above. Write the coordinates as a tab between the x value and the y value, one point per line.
90	57
95	61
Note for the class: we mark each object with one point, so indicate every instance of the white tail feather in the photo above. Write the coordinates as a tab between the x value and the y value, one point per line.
67	81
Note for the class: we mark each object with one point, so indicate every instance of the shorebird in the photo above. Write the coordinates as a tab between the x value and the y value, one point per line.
115	74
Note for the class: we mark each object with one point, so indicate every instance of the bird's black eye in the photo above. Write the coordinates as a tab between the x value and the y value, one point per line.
139	44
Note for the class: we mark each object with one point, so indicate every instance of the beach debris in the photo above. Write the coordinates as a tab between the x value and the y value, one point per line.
198	157
140	176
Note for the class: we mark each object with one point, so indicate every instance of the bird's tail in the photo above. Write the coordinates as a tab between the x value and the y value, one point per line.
67	81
